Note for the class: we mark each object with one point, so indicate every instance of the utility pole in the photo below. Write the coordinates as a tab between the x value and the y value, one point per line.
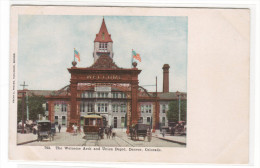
156	108
27	108
23	85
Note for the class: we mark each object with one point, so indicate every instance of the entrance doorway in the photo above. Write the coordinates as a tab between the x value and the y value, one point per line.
115	122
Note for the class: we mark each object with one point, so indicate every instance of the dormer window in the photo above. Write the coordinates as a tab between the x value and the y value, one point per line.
103	36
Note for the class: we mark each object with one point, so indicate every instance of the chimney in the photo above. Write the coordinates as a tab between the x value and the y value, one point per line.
166	78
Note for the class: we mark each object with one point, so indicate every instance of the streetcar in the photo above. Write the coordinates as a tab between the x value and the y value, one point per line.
93	127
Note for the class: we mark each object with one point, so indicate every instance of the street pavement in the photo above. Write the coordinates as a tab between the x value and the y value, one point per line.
175	138
25	138
120	140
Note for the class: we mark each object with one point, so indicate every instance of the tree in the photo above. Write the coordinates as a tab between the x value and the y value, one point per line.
35	107
173	112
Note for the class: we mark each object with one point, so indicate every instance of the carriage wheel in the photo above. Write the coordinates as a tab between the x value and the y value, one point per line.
136	136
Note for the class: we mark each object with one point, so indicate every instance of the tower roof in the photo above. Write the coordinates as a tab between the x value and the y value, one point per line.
103	35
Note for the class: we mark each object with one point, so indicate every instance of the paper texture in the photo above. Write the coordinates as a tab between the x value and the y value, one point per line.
217	88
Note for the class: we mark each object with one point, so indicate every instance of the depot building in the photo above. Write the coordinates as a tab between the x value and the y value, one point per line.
108	90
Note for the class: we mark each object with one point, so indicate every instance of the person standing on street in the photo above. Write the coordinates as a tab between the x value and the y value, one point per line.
59	127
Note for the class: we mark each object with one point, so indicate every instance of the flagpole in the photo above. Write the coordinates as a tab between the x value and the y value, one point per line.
132	59
74	54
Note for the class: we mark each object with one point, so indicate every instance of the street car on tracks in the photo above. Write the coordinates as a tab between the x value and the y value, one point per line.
93	127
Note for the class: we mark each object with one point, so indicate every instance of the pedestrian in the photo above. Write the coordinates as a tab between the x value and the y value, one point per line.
163	133
59	127
75	129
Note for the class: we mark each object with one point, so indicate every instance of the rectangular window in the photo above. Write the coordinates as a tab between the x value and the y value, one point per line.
63	120
142	108
64	107
90	94
47	106
122	122
123	95
99	107
82	107
82	95
56	120
148	120
106	95
123	108
57	107
102	107
163	121
141	120
81	120
163	108
150	108
115	108
146	109
103	45
90	107
114	95
105	107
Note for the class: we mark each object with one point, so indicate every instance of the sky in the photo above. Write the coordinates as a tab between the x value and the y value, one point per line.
46	45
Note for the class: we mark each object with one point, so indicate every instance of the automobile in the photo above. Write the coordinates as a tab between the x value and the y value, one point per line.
44	130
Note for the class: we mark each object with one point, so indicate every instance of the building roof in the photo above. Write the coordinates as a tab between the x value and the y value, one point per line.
161	95
104	62
37	92
171	95
103	35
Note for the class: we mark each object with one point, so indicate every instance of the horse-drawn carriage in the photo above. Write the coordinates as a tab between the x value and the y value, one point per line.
140	130
44	130
174	128
93	127
180	128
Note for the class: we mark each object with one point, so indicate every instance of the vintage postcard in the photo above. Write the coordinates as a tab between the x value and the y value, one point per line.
168	84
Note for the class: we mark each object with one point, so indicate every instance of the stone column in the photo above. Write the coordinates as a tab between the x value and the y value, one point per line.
73	102
134	108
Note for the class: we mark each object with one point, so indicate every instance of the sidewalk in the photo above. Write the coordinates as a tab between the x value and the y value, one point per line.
25	138
176	139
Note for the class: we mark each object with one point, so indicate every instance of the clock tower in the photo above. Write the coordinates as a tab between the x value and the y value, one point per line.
103	44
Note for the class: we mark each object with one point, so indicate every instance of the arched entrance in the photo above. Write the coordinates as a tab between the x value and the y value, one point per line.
104	71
